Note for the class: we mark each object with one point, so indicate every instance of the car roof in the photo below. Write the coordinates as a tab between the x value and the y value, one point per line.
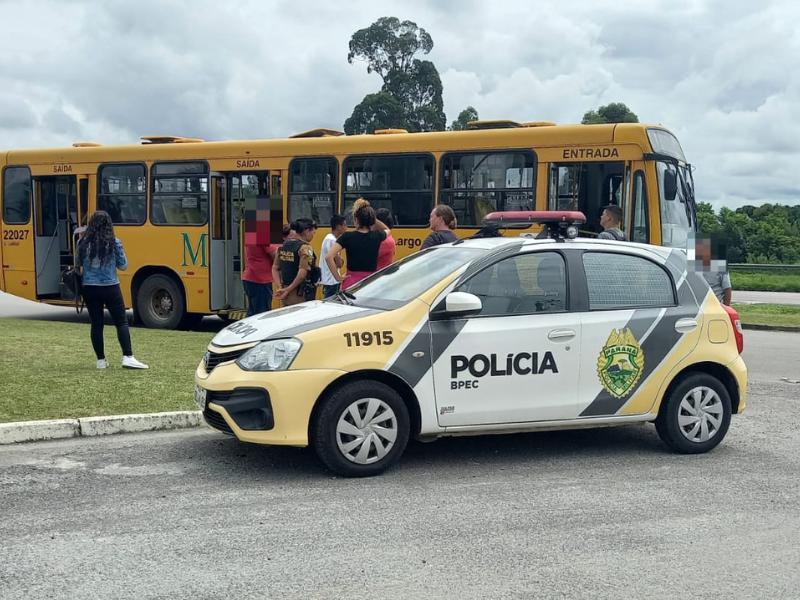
497	243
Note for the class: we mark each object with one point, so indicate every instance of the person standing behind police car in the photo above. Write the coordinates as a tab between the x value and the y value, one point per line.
297	265
610	221
388	247
362	247
257	276
330	285
442	221
100	254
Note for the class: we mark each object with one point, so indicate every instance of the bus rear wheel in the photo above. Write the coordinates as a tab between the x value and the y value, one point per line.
160	303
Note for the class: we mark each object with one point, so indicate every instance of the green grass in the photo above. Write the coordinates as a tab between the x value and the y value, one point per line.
47	371
769	314
765	282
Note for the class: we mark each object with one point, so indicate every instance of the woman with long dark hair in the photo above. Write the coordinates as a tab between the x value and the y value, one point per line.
100	254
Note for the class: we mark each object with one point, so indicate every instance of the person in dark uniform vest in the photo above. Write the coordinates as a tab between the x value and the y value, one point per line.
295	266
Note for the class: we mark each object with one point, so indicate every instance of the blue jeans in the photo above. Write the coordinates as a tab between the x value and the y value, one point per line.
259	297
330	290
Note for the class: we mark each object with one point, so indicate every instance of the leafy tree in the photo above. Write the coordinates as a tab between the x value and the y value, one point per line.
464	117
375	111
707	220
616	112
389	46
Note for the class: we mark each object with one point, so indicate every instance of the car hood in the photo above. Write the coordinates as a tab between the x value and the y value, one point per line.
288	322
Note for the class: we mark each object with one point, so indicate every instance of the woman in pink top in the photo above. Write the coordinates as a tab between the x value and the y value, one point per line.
257	277
388	246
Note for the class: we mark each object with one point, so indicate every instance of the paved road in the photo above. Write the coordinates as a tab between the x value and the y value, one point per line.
603	514
767	297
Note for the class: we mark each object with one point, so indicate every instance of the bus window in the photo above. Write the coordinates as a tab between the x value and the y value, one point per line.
312	189
16	195
639	231
477	183
675	220
121	193
587	187
403	184
180	193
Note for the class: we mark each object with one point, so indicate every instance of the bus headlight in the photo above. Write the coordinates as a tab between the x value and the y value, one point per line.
272	355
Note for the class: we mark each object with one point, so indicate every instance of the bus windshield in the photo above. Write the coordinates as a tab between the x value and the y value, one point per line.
677	214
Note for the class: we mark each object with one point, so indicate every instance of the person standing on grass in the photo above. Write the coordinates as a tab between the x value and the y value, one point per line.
330	285
100	254
361	246
388	246
442	222
714	272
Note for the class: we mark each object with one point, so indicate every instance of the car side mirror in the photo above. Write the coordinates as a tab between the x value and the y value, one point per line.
670	184
461	304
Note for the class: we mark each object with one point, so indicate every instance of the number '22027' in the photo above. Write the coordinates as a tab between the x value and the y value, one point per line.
15	234
368	338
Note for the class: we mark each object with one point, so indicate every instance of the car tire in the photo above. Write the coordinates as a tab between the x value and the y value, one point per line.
160	302
352	443
695	415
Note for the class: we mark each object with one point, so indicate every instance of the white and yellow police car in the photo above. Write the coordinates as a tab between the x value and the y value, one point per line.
480	336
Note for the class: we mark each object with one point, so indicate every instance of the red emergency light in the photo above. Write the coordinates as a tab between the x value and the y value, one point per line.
558	224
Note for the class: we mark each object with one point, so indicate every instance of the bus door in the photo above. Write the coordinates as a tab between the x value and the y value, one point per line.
588	187
232	193
56	217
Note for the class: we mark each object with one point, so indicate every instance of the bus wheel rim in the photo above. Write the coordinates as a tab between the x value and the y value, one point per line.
162	303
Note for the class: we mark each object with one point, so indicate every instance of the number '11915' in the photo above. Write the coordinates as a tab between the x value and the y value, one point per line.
367	338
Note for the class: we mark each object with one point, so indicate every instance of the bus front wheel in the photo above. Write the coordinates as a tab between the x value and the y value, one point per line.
160	303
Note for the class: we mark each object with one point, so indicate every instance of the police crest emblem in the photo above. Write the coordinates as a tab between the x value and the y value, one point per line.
620	363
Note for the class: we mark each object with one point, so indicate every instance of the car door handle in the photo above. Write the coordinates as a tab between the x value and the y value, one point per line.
561	334
685	325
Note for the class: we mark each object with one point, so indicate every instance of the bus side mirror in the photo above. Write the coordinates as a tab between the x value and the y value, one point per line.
670	184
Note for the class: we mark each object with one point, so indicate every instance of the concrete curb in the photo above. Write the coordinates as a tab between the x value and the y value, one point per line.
34	431
758	327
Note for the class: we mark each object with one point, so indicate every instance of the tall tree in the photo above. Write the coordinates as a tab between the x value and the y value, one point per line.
464	117
389	46
616	112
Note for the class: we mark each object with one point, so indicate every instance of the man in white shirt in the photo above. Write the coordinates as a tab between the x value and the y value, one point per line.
330	285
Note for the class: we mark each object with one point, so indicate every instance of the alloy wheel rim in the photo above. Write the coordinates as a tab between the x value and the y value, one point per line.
700	414
366	431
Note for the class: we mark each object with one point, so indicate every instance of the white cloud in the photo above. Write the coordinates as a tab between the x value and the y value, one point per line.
724	76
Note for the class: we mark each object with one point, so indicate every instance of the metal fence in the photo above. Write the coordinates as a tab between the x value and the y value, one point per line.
745	268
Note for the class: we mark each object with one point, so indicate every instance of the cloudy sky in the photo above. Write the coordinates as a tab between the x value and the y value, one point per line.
723	75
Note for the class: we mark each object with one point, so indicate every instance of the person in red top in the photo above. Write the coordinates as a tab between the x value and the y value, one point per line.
257	277
388	246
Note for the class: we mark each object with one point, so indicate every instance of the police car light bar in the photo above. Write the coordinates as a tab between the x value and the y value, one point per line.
558	224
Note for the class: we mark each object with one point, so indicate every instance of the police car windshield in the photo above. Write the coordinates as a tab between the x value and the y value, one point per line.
406	279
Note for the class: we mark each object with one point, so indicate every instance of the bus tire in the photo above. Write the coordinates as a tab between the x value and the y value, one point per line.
361	429
160	302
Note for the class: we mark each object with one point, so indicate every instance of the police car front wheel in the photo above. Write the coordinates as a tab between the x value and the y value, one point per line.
361	429
695	416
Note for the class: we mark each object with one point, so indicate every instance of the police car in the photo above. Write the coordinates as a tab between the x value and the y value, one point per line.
493	335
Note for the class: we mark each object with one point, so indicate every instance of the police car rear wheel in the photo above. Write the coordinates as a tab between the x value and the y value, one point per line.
696	415
362	429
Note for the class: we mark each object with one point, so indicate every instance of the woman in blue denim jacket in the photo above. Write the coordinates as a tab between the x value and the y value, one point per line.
100	254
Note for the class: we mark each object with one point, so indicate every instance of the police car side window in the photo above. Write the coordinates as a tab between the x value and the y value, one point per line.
625	281
521	285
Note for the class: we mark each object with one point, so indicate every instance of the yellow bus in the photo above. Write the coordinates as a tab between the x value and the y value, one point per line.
178	203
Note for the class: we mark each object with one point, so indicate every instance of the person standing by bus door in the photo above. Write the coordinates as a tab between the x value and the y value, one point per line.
611	222
100	254
330	285
257	277
442	222
297	265
388	247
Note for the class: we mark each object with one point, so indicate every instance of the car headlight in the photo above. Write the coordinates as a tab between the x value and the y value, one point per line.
272	355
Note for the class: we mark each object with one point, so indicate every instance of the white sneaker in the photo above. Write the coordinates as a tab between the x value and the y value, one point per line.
129	362
102	363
